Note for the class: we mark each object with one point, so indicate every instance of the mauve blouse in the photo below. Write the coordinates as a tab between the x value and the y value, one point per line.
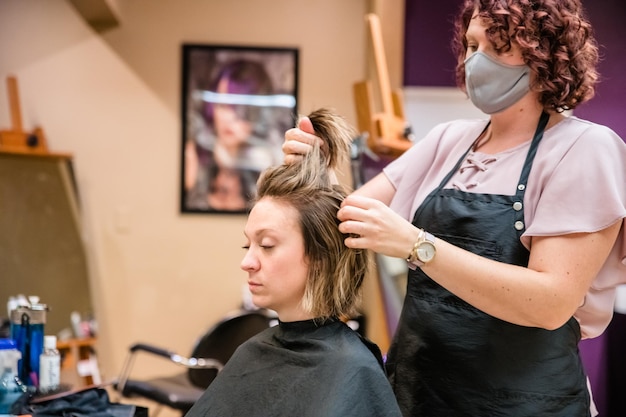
577	184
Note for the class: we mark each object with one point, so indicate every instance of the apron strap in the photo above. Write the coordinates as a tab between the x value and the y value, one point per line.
523	180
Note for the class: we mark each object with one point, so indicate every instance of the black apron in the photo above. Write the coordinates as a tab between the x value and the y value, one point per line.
451	359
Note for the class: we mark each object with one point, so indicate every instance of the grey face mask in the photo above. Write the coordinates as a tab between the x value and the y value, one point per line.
493	86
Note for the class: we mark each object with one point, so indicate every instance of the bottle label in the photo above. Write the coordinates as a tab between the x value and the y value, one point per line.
49	372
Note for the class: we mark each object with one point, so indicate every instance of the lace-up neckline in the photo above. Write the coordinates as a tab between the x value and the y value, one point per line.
470	170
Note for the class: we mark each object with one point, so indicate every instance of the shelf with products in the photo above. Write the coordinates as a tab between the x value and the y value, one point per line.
79	365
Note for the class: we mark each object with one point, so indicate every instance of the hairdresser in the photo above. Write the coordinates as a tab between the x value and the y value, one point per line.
512	226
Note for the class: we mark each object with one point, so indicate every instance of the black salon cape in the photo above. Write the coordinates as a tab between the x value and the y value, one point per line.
301	369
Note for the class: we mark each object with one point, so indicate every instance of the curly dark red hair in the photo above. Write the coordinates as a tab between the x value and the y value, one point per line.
555	39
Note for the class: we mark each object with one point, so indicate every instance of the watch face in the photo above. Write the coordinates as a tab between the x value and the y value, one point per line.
426	251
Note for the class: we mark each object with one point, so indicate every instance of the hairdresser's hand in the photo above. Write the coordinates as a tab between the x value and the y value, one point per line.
375	226
299	141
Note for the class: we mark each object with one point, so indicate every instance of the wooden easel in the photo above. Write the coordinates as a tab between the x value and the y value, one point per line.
387	130
16	140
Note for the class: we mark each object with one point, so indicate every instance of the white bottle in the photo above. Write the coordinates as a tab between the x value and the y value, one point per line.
49	365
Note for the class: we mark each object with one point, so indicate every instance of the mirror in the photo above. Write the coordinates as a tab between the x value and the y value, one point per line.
41	246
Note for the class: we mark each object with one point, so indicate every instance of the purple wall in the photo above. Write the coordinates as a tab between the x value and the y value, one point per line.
608	107
428	59
428	30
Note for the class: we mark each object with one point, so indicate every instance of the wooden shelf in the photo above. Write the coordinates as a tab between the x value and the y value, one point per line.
75	353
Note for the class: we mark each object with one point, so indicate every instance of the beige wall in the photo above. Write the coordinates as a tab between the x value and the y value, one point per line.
113	101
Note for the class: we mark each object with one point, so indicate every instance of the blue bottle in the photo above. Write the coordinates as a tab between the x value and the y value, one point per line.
11	387
27	330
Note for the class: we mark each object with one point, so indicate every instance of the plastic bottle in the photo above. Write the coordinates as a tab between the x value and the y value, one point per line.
27	330
11	387
11	305
49	365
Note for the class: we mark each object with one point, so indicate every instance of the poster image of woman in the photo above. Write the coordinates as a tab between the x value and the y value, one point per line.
237	104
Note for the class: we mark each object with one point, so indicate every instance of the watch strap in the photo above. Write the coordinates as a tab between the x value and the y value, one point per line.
413	260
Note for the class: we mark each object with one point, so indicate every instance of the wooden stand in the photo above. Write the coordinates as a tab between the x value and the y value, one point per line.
16	140
388	130
388	138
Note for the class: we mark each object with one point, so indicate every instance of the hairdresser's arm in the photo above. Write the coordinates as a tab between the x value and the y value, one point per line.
545	294
379	188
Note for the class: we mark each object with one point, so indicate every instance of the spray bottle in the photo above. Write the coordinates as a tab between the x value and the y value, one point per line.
11	387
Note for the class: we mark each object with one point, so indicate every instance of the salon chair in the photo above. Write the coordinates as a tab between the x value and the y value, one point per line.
210	353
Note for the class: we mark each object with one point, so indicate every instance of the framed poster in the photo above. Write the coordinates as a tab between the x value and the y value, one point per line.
237	103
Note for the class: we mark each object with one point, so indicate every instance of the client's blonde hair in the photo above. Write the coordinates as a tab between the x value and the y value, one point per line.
336	272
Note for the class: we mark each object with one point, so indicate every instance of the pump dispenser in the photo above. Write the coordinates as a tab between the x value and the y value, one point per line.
11	387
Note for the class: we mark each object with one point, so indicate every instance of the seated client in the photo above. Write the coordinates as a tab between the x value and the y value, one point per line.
311	363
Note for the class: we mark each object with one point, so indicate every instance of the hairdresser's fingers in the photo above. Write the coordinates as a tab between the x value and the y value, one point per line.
357	242
305	125
291	156
360	201
295	134
360	208
293	149
365	235
354	227
304	133
297	143
370	224
357	221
